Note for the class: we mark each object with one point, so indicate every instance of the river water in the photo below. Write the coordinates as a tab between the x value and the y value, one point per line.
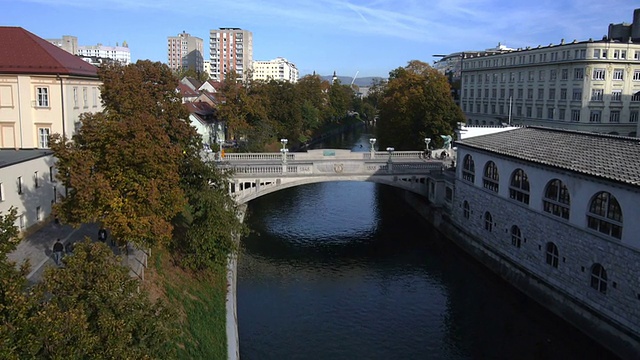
345	270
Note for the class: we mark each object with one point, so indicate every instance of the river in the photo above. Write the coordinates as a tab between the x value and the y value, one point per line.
345	270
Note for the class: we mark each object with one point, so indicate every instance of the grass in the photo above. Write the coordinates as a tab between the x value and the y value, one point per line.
200	301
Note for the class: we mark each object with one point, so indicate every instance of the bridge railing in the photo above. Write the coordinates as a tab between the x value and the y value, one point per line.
329	155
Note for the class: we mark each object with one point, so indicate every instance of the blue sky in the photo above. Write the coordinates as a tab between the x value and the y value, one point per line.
371	37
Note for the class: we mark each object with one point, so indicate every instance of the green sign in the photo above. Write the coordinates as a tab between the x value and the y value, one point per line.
328	153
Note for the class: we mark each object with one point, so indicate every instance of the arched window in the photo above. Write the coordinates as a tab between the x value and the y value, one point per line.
519	187
605	215
599	278
516	236
488	221
491	177
468	169
556	199
552	254
465	209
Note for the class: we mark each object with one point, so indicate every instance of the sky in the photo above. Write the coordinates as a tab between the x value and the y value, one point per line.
363	37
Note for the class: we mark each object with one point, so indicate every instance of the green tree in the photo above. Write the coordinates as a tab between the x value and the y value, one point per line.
122	166
92	308
416	103
340	100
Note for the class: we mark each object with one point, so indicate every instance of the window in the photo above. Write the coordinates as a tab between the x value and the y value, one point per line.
19	184
531	76
468	169
465	209
575	115
564	74
635	97
636	75
36	181
529	111
550	112
38	213
51	177
605	215
43	135
540	94
530	94
599	278
633	116
598	74
616	95
85	101
595	116
541	75
562	113
596	94
519	187
618	74
21	222
552	254
563	94
1	191
75	96
596	53
577	94
539	112
552	94
491	178
42	96
556	199
614	116
516	236
488	221
553	74
578	74
520	93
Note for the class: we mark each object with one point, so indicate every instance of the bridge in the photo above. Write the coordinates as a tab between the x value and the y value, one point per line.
257	174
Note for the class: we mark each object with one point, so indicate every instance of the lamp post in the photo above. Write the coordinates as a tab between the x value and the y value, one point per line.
427	154
390	150
220	142
284	149
372	141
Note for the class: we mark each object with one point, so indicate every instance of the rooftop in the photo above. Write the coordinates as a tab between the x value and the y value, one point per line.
615	158
25	53
10	157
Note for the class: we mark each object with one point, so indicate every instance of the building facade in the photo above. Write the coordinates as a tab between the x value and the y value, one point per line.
121	54
587	85
230	49
555	212
276	69
185	52
43	90
68	43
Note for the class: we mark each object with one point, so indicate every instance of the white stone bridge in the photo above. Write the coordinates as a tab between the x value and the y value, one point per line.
257	174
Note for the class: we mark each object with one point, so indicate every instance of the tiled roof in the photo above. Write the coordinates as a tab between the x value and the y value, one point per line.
22	52
200	108
610	157
186	91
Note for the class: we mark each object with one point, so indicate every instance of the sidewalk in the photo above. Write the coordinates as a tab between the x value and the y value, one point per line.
37	248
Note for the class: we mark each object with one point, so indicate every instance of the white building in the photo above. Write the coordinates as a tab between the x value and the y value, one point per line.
555	213
43	91
121	54
276	69
230	49
185	52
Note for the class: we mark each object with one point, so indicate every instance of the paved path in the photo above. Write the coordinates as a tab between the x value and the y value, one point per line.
37	248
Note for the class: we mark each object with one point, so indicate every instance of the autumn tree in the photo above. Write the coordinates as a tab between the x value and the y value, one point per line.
123	167
416	103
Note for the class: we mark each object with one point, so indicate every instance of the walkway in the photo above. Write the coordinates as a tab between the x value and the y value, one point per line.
36	247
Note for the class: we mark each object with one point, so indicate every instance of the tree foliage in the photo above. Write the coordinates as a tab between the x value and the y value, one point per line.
416	103
123	164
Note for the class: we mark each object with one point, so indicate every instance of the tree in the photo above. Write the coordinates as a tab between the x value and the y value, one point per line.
123	167
416	103
340	97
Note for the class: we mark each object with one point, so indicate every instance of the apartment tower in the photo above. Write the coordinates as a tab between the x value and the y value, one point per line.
230	49
185	52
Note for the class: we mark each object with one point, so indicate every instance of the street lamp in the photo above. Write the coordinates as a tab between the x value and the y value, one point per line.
390	150
372	151
426	147
284	149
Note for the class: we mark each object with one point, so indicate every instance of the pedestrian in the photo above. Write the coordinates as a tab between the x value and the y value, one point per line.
68	248
102	234
57	252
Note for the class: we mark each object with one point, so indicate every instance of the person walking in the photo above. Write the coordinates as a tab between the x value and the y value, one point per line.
102	234
58	248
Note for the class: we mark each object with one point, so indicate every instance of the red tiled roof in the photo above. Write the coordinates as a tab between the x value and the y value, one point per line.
186	91
22	52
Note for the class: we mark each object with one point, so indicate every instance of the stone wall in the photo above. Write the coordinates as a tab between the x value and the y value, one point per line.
613	319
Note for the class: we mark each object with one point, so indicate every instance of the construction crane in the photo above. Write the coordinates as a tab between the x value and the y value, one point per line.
354	78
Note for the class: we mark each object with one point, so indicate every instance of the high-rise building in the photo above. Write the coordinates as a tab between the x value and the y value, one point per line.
230	49
276	69
185	52
591	85
118	53
68	43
